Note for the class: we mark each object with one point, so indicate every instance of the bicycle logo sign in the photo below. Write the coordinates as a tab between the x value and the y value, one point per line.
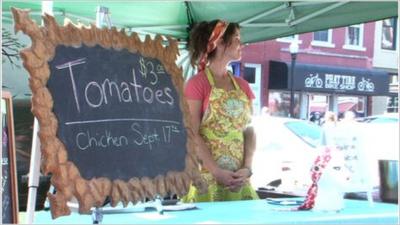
313	81
339	82
365	85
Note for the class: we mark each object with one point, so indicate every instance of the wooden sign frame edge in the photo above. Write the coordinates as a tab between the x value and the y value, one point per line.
12	155
65	175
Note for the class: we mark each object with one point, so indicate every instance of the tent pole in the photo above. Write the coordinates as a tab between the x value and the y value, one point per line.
102	15
271	11
317	13
34	173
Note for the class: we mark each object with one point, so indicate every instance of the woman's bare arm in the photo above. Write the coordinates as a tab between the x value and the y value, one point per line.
249	146
249	136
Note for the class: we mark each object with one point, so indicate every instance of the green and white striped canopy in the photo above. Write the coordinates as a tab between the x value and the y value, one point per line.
260	20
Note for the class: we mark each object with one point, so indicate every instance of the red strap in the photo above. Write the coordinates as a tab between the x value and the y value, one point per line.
319	165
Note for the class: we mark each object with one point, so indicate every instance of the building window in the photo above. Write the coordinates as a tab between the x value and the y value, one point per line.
389	31
357	104
279	104
361	105
322	35
234	68
250	74
354	38
393	104
323	38
354	35
317	104
394	83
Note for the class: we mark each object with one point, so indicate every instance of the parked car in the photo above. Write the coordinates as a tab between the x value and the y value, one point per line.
384	118
286	148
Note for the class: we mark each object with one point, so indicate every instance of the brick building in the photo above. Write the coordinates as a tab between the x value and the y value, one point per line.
334	70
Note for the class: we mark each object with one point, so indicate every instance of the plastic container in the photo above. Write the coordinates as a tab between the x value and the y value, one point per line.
389	180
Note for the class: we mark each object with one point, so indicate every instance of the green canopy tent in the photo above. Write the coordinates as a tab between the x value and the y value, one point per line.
260	20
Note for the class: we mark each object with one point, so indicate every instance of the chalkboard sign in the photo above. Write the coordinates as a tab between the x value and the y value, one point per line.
9	192
116	110
113	119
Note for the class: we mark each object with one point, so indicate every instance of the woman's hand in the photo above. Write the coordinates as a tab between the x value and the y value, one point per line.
233	181
226	177
243	173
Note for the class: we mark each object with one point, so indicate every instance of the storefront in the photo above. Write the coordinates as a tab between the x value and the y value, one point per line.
319	88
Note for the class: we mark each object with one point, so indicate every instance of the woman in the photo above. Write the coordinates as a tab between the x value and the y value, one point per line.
220	106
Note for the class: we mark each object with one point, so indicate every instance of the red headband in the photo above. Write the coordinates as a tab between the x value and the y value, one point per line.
216	34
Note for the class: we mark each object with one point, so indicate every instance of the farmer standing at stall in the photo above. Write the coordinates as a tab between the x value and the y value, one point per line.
221	107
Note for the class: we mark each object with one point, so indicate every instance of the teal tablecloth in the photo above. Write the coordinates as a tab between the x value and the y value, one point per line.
241	212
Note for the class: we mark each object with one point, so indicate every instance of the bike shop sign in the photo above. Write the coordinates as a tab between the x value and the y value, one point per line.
345	83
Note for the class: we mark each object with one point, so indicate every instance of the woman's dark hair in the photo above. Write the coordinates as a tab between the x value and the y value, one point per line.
200	34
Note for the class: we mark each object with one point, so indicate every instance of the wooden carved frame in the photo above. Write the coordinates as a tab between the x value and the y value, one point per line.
65	175
11	155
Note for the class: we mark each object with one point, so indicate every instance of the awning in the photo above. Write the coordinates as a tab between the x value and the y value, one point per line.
259	20
329	79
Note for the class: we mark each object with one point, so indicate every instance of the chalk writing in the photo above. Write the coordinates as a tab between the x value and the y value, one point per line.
122	119
168	131
147	68
100	93
145	138
69	66
85	140
117	111
134	135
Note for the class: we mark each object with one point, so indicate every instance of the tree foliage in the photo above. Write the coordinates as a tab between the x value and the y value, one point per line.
10	47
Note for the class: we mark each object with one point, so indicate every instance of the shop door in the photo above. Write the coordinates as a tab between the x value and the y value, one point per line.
252	73
318	105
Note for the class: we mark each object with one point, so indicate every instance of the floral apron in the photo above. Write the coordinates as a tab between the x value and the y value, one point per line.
222	126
